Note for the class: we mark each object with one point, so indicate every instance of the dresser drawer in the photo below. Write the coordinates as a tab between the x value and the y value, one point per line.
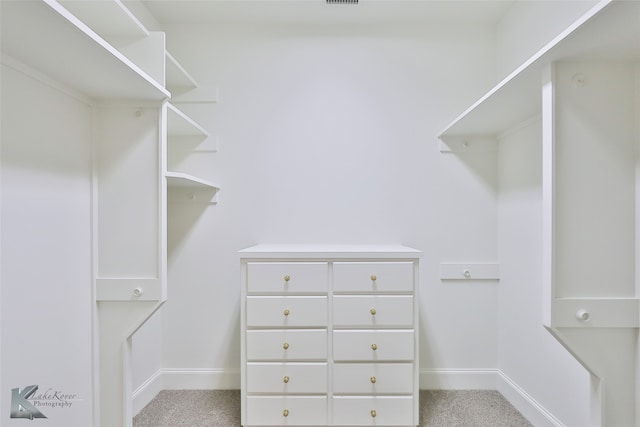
373	345
373	277
286	311
374	411
373	378
287	277
287	410
373	311
301	344
287	378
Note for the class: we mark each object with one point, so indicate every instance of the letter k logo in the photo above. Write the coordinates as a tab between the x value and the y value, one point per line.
21	407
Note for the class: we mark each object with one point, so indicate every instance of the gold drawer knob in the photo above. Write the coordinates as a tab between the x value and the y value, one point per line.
286	312
373	413
374	277
374	347
285	379
285	413
373	311
287	278
373	380
285	346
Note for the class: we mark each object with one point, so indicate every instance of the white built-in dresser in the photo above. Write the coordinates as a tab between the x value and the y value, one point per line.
329	335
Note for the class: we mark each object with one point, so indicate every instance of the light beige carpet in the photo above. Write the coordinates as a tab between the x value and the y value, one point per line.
221	408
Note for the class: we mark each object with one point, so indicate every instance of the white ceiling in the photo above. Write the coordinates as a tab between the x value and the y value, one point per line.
317	11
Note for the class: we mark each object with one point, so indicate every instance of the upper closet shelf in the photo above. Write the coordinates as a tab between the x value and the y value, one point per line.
47	37
107	18
610	31
185	188
183	87
178	80
183	180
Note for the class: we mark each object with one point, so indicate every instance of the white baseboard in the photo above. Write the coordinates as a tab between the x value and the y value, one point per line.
458	379
201	379
146	392
430	379
525	403
184	379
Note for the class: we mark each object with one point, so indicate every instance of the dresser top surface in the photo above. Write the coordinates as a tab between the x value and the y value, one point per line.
329	251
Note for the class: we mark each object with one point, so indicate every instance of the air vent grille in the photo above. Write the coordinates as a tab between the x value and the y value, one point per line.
342	1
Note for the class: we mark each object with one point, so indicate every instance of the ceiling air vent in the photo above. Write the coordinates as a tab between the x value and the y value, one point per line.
342	1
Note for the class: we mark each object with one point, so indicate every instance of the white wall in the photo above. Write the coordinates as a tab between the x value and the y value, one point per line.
146	354
595	218
528	354
46	250
327	135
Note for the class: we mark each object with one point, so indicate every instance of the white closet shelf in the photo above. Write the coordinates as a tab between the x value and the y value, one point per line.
178	79
107	17
183	87
610	31
184	188
179	124
183	180
44	35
